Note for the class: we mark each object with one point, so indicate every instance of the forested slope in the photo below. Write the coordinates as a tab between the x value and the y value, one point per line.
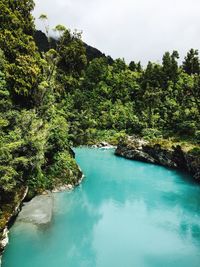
159	101
34	146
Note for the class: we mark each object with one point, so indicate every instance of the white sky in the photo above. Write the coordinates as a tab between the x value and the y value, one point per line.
131	29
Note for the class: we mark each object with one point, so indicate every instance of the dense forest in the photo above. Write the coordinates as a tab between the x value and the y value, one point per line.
60	93
113	99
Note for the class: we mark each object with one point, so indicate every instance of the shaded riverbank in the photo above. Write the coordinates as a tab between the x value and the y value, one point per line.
38	209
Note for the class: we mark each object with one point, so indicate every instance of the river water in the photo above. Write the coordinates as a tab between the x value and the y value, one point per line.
124	214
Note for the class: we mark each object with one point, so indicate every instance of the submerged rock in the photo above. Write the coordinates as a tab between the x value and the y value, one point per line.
37	211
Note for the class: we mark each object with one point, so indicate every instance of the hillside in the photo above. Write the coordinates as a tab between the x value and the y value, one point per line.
43	45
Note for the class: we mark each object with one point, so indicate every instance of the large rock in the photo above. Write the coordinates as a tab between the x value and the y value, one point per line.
103	145
138	149
10	216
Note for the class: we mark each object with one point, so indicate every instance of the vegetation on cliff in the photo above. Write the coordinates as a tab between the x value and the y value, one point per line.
34	146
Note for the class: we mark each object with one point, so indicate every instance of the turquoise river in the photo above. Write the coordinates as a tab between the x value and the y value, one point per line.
124	214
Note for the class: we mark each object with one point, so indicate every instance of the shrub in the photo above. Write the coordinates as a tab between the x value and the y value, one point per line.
151	133
186	128
195	151
197	136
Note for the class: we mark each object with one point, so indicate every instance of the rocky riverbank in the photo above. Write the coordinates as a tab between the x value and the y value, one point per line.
32	211
38	211
8	215
175	157
103	145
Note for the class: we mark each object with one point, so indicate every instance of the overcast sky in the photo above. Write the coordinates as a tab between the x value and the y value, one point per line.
131	29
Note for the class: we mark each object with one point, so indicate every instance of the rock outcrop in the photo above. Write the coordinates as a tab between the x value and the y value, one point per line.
103	145
38	210
10	217
138	149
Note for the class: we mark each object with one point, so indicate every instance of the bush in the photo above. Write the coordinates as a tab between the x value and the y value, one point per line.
197	136
187	128
151	133
64	169
195	151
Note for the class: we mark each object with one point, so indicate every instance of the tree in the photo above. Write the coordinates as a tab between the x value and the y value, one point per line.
16	41
132	66
191	91
44	19
139	67
119	65
72	59
60	29
170	67
191	64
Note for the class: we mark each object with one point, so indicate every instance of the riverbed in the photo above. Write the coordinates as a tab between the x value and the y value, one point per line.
124	214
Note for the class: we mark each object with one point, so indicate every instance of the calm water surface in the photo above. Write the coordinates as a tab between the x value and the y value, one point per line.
124	214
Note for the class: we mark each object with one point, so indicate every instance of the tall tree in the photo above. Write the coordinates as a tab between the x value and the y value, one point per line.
132	66
170	67
191	64
16	41
72	58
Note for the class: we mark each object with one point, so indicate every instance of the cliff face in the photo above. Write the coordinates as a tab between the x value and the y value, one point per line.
8	213
137	149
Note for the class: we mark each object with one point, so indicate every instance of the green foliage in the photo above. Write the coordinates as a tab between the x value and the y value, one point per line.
191	64
170	67
195	151
197	137
49	101
34	146
187	128
72	59
22	70
151	133
160	100
64	169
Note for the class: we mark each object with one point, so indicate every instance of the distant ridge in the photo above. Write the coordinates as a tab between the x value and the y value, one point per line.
43	46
